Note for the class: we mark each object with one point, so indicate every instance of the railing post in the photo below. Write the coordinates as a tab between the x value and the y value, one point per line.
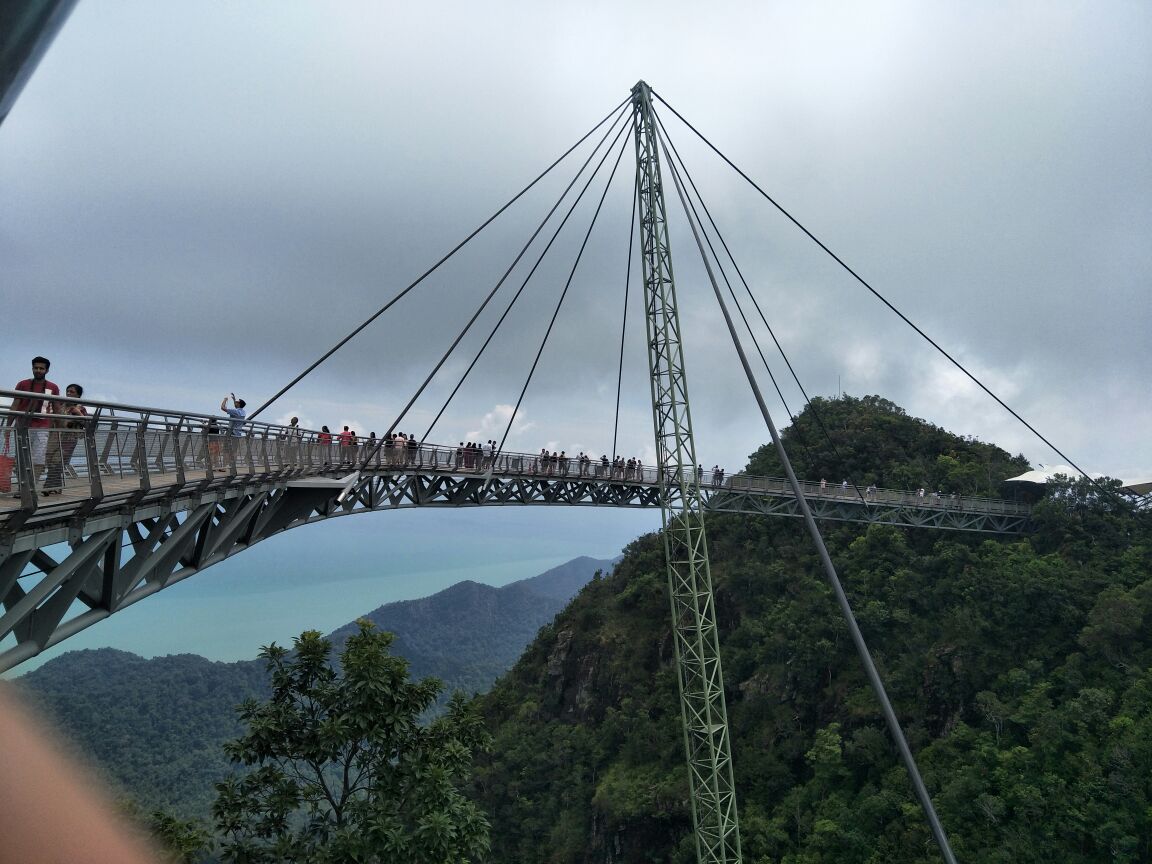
178	451
140	458
110	439
159	459
251	460
25	470
95	483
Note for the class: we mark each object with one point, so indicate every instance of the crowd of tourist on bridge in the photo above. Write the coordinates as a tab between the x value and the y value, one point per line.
53	440
400	449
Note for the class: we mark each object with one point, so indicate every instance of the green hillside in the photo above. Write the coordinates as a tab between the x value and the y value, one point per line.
156	728
1021	669
470	634
871	440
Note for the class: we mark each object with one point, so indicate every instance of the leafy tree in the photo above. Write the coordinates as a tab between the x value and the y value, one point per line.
188	841
182	841
341	769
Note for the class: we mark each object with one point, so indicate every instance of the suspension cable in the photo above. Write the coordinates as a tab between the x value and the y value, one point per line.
435	266
491	294
716	258
815	413
877	294
563	294
624	317
523	286
822	550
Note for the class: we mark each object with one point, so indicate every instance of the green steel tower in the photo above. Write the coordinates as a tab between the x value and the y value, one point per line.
690	582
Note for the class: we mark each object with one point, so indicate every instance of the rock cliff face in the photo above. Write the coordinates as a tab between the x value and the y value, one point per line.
574	678
589	746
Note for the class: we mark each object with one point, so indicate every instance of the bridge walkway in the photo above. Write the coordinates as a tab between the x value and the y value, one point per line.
129	461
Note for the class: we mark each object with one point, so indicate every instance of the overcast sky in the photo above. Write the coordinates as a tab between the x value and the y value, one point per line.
201	198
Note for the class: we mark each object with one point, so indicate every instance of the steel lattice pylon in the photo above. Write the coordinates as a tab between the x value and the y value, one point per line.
701	682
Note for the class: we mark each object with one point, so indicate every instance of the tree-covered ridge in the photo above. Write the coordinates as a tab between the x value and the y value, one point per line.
470	634
1021	670
872	440
155	728
152	728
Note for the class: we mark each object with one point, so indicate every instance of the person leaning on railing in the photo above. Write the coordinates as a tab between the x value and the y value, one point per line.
65	435
294	437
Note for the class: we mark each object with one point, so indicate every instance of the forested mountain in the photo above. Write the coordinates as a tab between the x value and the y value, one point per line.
153	727
872	440
156	727
1021	669
470	634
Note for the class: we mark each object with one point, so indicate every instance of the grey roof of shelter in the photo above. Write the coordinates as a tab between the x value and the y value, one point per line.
1044	474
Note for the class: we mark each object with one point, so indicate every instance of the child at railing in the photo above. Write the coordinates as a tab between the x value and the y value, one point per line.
214	435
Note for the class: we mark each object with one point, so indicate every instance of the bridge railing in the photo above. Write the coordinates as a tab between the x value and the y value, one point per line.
52	452
873	495
117	451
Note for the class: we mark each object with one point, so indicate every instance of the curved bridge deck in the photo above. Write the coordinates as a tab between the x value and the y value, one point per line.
148	499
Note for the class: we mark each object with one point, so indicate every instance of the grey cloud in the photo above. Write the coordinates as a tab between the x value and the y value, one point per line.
240	186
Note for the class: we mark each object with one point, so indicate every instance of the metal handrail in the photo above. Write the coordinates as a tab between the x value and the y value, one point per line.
175	448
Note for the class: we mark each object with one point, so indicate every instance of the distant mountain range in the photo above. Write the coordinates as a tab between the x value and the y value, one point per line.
469	634
155	727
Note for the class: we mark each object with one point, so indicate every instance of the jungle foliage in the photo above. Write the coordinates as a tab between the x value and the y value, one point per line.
1021	669
338	768
872	440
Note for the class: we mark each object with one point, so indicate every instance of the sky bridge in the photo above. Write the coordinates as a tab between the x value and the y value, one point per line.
148	498
158	495
135	499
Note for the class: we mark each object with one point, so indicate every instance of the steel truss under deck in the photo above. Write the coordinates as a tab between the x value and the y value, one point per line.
701	681
844	508
111	560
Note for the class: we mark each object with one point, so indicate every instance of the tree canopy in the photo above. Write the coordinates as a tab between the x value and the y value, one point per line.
872	440
341	769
